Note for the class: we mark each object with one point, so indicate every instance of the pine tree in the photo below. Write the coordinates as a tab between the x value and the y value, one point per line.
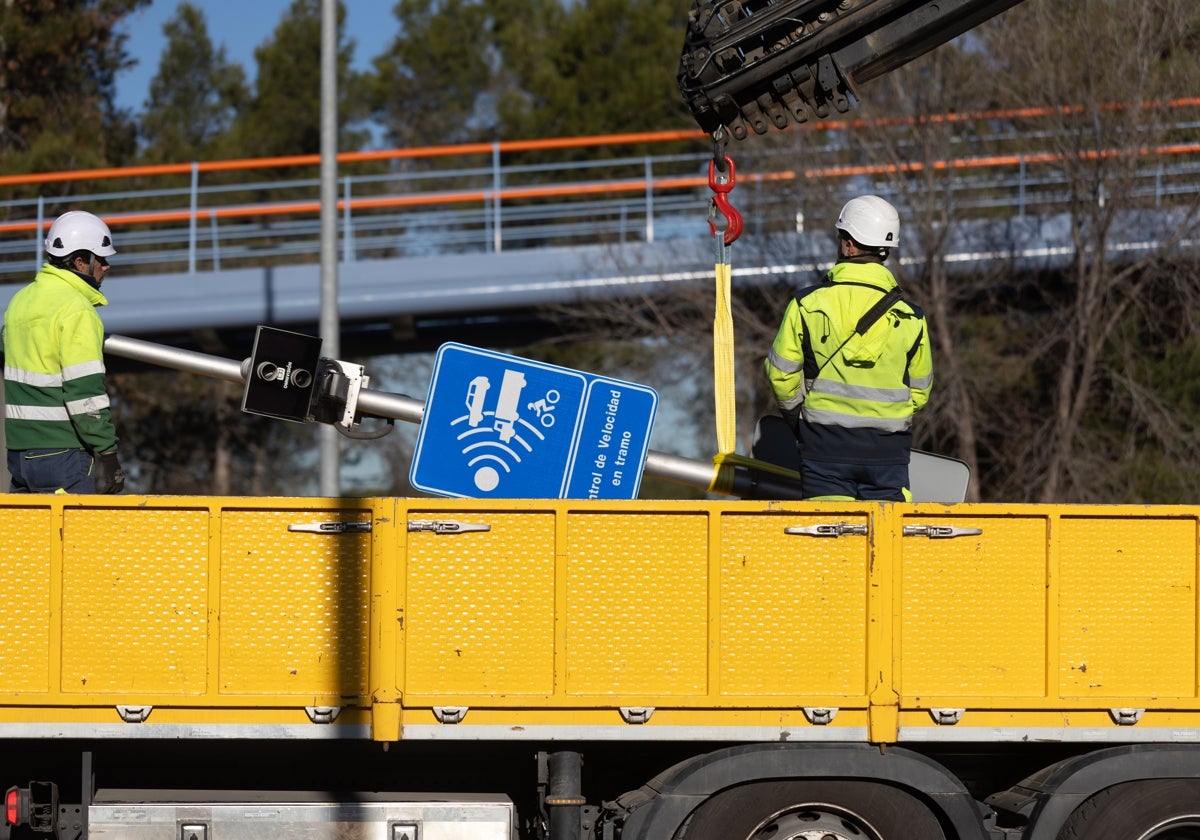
58	66
283	116
195	95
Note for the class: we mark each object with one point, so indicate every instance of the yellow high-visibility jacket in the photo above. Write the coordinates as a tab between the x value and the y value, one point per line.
851	397
54	366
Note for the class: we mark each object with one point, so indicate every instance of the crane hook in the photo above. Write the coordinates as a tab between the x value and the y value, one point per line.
721	183
720	180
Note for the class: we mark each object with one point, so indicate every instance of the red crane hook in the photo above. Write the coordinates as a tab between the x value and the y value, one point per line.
721	183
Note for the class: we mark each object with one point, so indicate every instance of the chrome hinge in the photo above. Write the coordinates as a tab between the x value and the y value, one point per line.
134	714
835	529
820	715
940	532
446	526
322	714
636	714
336	527
946	717
450	714
1126	717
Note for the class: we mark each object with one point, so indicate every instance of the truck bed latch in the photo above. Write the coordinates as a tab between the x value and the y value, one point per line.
940	532
446	526
828	529
336	527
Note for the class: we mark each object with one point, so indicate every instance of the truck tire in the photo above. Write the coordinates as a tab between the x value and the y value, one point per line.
1162	809
813	810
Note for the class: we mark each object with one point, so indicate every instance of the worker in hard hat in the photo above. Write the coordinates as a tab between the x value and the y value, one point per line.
57	425
851	364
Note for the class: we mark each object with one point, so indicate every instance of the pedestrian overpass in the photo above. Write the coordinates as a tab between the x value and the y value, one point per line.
471	243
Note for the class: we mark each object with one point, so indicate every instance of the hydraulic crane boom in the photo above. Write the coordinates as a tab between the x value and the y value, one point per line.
753	64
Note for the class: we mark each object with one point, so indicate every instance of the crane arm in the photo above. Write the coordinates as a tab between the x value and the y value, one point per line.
753	64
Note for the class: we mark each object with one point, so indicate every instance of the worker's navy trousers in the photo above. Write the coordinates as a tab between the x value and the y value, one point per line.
51	471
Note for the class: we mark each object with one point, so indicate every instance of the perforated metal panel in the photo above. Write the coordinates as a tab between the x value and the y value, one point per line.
637	604
1127	619
621	620
793	608
135	600
974	610
479	614
294	606
25	627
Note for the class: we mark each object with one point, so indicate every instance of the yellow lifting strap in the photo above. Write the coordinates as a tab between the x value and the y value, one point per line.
725	390
724	385
725	224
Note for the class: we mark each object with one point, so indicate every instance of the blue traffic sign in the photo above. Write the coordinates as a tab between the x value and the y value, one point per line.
498	426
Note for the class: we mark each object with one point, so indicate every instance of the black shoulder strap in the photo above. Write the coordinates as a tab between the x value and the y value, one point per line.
876	312
866	321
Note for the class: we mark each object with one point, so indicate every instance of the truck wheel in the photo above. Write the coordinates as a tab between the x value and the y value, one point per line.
816	810
1165	809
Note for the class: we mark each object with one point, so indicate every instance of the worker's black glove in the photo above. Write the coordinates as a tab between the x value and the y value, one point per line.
109	477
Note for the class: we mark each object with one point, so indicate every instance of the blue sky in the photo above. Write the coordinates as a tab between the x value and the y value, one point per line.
239	26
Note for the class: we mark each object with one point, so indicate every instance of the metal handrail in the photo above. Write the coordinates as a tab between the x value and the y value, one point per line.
488	206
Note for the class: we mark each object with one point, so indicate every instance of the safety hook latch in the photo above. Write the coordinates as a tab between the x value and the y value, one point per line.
721	182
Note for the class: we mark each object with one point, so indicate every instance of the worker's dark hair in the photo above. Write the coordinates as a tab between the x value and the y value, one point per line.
867	250
68	260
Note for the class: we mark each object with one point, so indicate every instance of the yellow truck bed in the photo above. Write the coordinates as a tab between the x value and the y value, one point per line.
133	617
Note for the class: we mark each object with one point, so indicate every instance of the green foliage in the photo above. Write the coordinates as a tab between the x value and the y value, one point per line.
283	116
464	70
58	64
430	87
593	67
195	95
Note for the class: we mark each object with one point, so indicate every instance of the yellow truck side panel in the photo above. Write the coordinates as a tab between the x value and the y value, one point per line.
635	620
294	607
973	611
637	604
26	632
478	615
792	609
135	597
1127	621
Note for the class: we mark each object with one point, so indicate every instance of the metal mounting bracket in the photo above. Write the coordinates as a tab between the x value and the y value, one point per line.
946	717
1126	717
820	715
636	714
450	714
322	714
134	714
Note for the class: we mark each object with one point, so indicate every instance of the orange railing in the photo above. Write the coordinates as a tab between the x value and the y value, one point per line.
495	208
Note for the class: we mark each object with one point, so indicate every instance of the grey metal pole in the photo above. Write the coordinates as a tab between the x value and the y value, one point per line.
194	209
673	468
330	327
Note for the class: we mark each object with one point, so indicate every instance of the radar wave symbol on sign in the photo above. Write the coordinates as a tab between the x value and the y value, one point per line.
492	437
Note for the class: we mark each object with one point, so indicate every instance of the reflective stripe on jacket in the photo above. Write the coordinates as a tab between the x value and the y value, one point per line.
837	378
54	366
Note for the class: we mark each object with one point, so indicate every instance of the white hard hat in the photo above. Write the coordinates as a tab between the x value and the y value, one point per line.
78	230
870	221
